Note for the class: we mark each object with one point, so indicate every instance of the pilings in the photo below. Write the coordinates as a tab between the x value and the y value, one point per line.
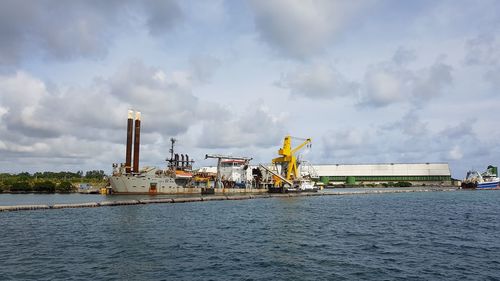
205	198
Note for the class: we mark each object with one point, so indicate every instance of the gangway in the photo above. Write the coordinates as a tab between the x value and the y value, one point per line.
276	174
307	169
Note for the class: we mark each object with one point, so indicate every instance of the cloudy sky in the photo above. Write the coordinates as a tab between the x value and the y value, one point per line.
369	81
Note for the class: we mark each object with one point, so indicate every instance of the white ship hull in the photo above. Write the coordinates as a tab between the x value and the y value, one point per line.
128	184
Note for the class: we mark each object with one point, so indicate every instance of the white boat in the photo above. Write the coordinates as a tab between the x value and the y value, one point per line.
303	185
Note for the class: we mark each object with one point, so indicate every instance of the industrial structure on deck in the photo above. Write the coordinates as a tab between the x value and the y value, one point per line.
362	174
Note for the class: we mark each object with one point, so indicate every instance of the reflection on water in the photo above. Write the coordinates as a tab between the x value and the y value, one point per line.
401	236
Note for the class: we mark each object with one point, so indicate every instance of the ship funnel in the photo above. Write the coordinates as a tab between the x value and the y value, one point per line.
137	141
182	161
128	152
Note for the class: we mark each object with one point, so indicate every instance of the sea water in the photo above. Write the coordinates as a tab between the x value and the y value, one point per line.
401	236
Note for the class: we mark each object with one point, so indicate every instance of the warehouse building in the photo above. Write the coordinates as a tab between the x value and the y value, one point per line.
417	174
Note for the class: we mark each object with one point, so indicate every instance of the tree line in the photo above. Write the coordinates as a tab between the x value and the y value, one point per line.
48	182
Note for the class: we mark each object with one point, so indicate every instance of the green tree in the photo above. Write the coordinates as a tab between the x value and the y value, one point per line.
65	187
45	186
21	186
94	174
403	184
24	176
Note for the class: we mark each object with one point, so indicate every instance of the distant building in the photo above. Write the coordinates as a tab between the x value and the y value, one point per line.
351	174
425	173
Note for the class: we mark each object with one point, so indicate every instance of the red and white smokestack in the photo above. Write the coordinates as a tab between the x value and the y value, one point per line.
137	141
128	152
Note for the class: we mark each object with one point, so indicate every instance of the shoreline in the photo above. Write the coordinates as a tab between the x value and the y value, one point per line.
211	198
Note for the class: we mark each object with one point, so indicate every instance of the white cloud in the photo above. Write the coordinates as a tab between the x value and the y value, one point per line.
76	29
403	56
384	86
455	153
432	81
482	50
21	89
3	111
463	129
344	145
160	76
317	81
21	96
162	16
256	126
493	77
81	122
410	125
199	70
393	81
300	28
203	67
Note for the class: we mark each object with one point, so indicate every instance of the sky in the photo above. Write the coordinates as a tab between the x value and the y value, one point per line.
369	81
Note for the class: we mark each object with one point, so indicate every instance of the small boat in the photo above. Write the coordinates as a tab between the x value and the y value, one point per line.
302	185
487	180
87	188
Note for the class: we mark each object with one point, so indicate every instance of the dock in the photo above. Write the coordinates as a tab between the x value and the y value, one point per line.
209	198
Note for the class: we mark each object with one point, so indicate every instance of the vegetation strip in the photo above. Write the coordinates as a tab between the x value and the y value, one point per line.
49	182
199	199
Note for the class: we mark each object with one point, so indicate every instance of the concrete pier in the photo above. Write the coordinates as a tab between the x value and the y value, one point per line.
209	198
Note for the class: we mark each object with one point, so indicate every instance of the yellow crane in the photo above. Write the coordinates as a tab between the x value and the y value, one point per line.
288	161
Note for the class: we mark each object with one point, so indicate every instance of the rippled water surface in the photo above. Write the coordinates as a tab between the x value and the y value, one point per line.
405	236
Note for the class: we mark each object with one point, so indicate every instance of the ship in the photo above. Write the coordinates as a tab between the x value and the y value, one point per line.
178	177
482	181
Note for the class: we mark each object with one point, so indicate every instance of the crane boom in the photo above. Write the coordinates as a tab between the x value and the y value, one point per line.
306	142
